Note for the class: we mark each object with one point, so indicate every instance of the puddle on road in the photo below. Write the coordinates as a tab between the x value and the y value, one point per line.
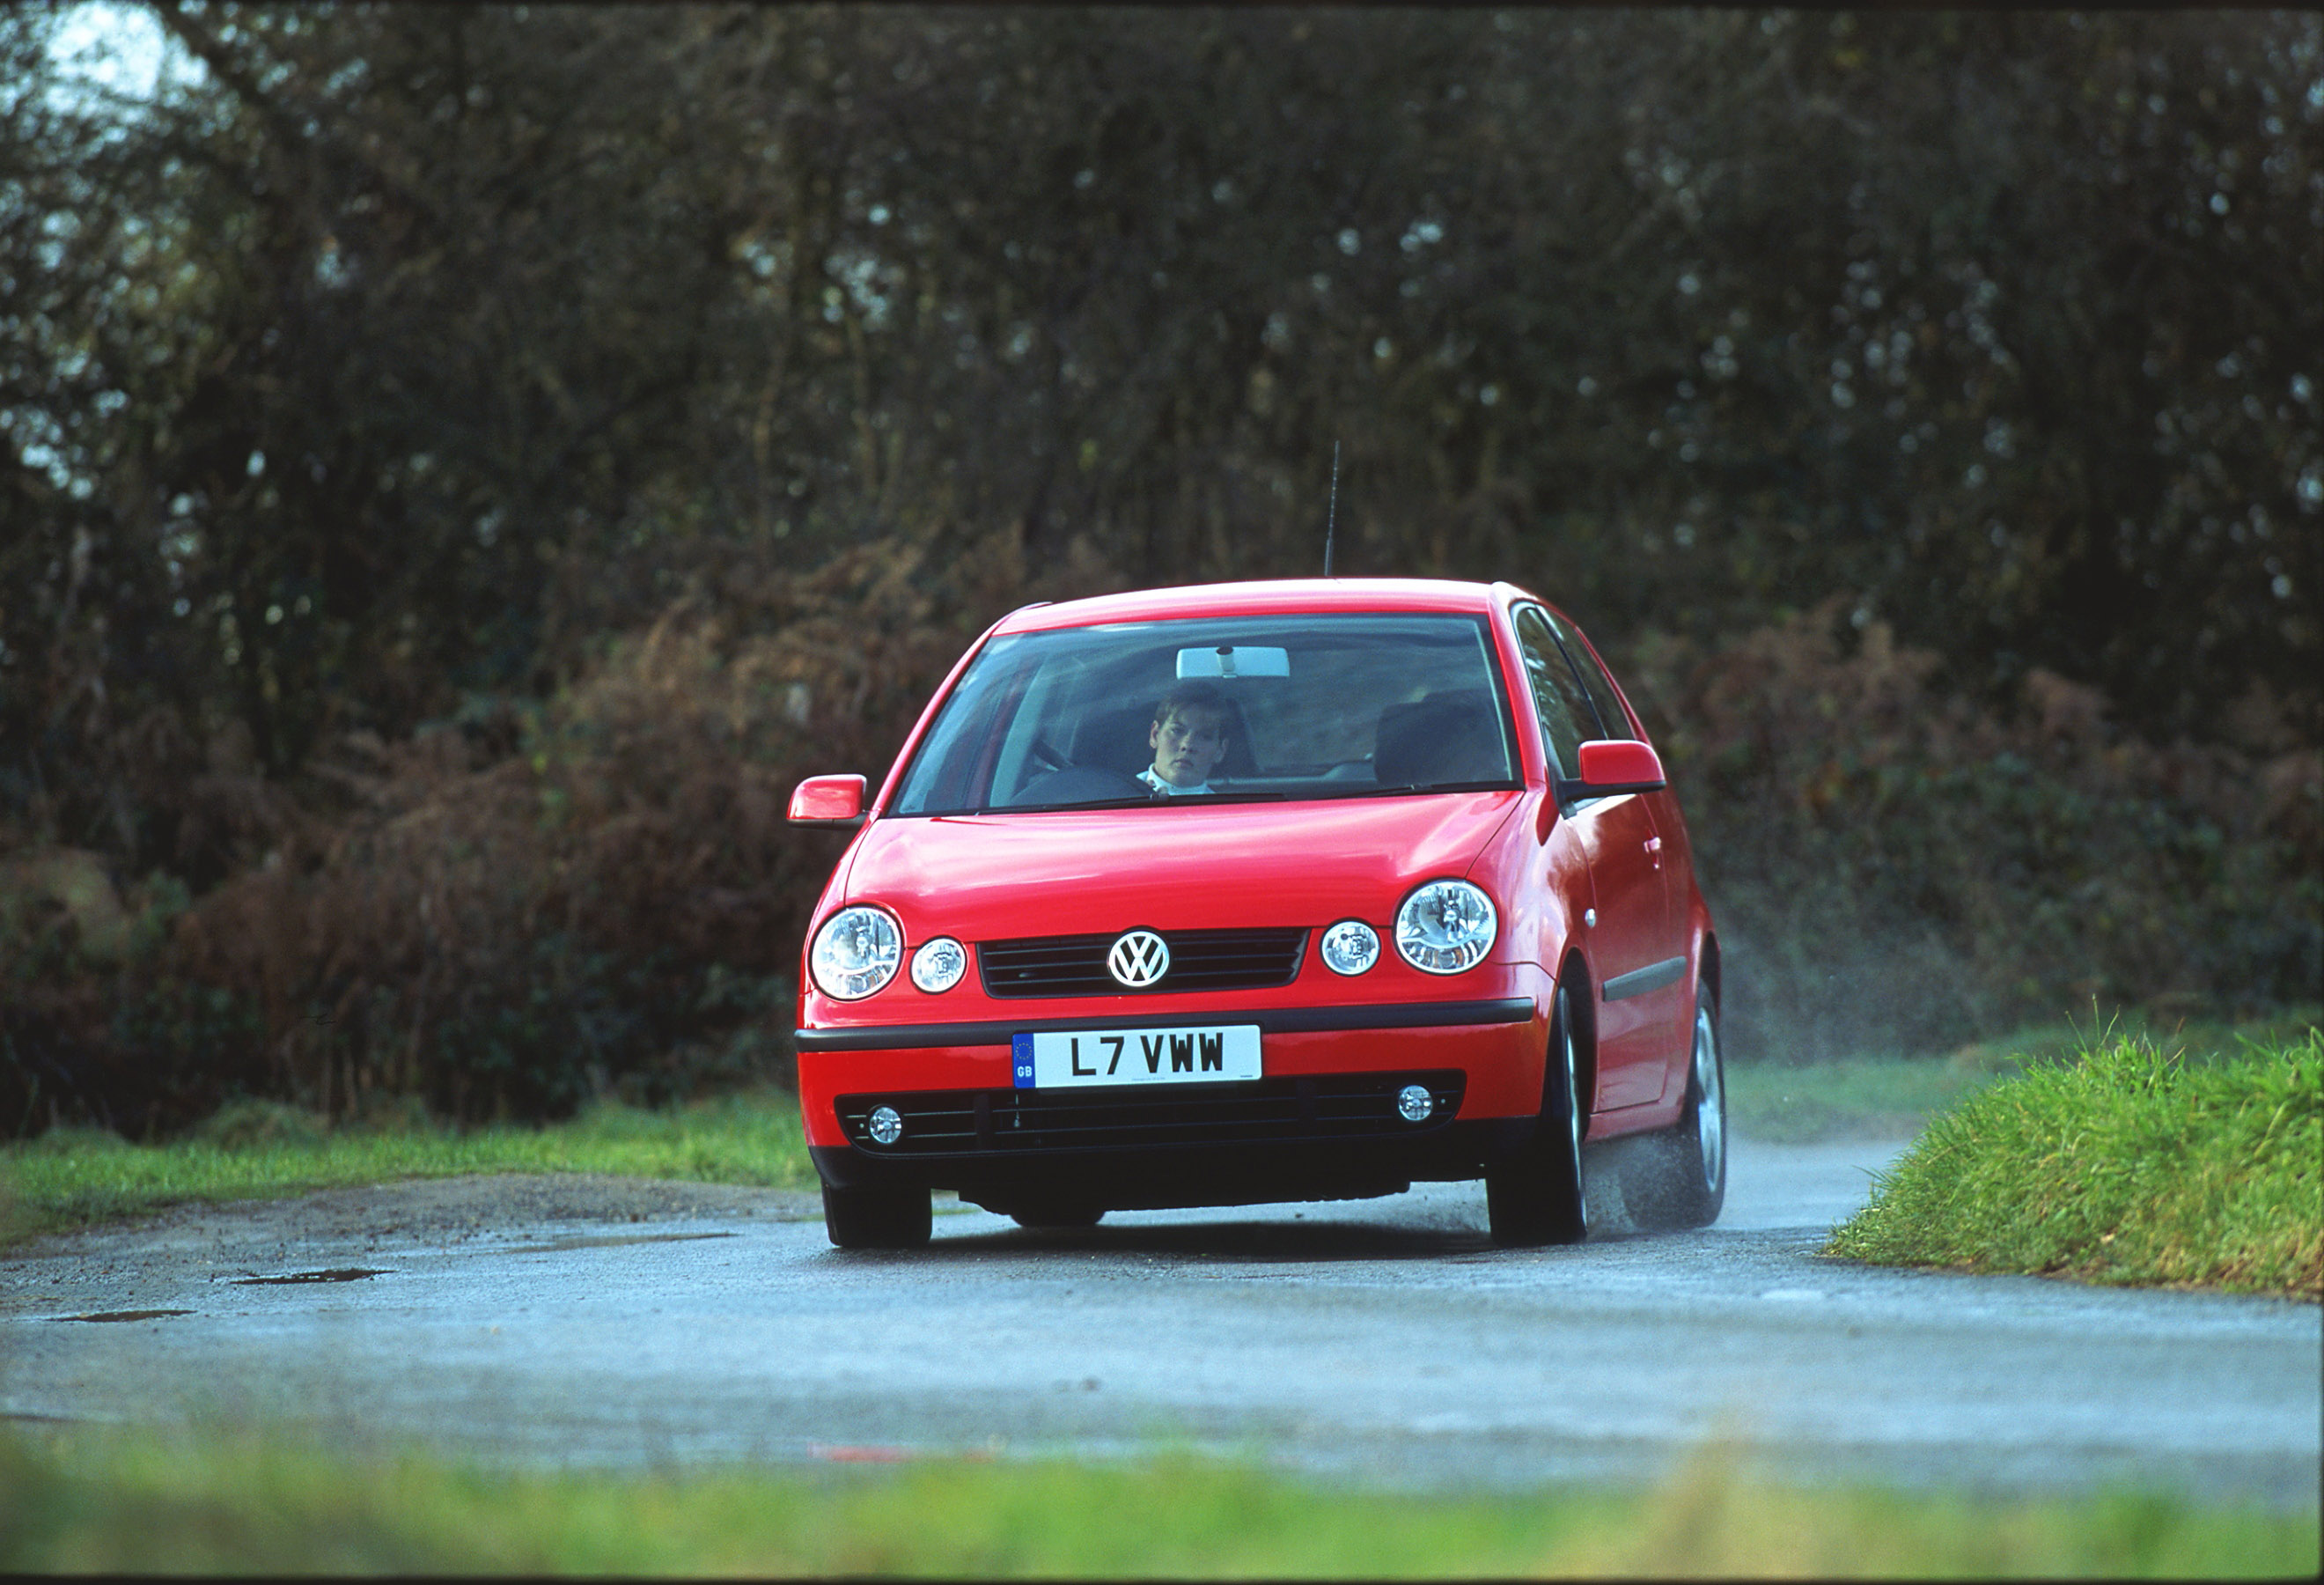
127	1315
345	1273
611	1241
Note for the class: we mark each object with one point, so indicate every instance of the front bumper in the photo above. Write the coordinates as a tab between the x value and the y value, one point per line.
1321	1123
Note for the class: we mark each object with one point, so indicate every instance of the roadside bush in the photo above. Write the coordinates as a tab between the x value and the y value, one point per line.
613	904
257	1125
95	1027
1894	868
528	906
536	903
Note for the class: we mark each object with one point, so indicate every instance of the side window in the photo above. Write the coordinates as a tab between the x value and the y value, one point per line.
953	767
1565	714
1606	718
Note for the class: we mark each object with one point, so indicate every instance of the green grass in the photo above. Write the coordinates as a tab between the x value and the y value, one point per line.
75	1178
2131	1162
1894	1098
1871	1097
2195	1040
88	1501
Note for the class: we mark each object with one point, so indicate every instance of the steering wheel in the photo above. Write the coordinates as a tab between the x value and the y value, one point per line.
1081	784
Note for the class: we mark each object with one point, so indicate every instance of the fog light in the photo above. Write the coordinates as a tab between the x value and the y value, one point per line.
1351	947
1412	1103
938	965
887	1124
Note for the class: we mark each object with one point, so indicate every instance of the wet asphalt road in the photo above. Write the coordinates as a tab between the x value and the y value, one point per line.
1380	1341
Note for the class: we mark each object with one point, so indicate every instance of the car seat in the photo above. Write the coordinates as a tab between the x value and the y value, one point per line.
1451	736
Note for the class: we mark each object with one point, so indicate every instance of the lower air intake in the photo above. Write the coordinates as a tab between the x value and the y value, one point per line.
1007	1122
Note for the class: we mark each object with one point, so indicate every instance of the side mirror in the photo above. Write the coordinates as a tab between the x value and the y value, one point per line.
828	800
1611	766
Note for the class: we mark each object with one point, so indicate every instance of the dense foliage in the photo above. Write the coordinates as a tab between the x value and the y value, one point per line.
461	464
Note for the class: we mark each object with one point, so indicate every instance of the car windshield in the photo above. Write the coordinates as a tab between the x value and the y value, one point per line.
1250	708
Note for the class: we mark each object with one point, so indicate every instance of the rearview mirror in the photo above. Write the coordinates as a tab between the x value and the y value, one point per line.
1611	766
1235	660
828	800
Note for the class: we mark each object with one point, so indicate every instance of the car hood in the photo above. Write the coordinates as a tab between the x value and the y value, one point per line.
994	876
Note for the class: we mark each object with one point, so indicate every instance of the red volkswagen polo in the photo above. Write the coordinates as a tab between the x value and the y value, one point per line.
1259	892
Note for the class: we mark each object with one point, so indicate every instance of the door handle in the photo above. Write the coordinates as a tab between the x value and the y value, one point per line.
1654	847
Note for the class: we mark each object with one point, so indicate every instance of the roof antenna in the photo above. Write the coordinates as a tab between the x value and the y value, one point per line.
1331	516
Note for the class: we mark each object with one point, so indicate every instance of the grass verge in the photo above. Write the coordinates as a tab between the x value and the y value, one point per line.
1894	1098
2132	1163
138	1503
73	1178
1870	1097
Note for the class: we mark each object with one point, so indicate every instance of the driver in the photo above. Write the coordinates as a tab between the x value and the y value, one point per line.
1188	737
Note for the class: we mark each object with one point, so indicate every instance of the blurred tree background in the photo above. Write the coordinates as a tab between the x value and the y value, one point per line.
461	464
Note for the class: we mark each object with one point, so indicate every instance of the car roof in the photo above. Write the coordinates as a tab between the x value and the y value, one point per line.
1289	596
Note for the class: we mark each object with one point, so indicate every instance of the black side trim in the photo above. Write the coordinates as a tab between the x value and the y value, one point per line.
1651	978
897	1037
1569	793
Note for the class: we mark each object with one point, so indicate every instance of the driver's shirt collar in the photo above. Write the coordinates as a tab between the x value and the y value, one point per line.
1166	789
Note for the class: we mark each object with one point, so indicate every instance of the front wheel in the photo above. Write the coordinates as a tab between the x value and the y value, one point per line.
877	1219
1680	1181
1538	1196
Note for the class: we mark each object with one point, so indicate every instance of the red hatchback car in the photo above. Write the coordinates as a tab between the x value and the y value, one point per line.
1256	891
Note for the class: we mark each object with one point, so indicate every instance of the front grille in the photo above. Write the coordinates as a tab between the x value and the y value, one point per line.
1200	961
1338	1105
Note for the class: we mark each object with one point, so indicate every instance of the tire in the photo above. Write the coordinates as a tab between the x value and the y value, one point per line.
1060	1214
877	1219
1536	1198
1680	1181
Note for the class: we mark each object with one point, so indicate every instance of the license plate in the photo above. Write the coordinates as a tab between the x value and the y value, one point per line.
1058	1060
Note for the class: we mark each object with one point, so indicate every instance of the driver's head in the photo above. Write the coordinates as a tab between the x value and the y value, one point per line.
1189	734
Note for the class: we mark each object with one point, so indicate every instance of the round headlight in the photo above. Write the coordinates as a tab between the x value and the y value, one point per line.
1445	926
938	965
856	952
1351	947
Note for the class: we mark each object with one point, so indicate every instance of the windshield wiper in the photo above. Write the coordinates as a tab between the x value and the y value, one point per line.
1195	800
1076	803
1490	785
